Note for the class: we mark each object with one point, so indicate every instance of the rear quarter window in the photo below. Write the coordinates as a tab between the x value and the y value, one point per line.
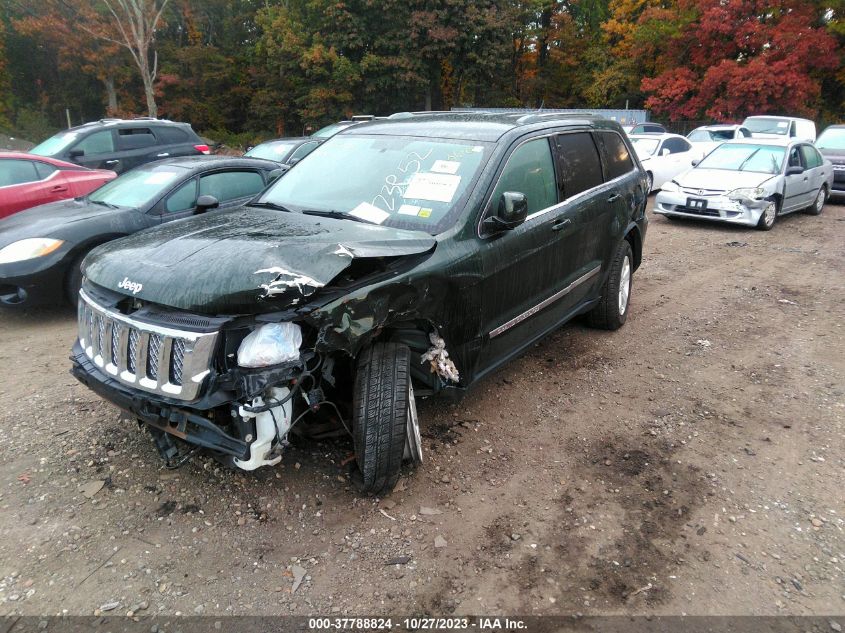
617	158
171	135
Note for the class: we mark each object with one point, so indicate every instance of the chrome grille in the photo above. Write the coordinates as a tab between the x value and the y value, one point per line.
702	193
157	359
177	359
153	355
134	335
115	343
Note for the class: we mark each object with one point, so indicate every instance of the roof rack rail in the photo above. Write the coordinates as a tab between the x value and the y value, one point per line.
534	117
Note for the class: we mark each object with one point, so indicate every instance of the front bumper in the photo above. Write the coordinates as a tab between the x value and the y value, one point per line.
838	186
32	283
186	424
718	208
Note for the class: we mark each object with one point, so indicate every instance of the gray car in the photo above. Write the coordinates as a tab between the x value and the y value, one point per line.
750	182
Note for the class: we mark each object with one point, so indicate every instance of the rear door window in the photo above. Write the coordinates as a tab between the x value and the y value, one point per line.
17	172
578	163
530	171
617	159
811	157
229	185
676	145
135	138
101	142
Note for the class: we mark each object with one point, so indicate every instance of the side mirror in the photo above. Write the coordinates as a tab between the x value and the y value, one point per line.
274	175
206	202
795	170
76	153
664	151
695	161
512	211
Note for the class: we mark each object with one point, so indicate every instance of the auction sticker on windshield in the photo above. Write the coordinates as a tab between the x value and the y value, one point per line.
370	213
434	187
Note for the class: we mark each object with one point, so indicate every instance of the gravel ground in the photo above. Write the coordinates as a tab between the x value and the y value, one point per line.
691	462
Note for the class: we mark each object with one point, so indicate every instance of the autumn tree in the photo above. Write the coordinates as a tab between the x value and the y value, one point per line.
5	84
740	58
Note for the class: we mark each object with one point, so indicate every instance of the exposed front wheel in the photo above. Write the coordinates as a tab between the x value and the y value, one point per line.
768	217
611	312
818	203
385	424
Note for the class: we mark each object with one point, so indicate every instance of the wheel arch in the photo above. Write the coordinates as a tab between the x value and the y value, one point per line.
635	239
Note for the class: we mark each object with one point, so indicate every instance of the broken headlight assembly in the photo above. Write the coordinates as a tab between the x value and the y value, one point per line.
270	344
744	194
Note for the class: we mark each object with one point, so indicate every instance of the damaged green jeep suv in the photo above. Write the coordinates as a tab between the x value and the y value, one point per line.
403	258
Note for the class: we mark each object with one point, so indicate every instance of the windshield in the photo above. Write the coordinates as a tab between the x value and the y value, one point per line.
645	146
54	144
137	187
331	130
832	138
765	159
403	182
766	125
274	150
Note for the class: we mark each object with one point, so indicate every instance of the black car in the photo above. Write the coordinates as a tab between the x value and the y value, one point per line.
41	248
287	151
450	244
831	144
122	144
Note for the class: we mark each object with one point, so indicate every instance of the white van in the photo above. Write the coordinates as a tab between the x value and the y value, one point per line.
781	127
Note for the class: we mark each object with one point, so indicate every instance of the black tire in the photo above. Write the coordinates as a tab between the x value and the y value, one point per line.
769	216
382	402
818	202
608	315
73	280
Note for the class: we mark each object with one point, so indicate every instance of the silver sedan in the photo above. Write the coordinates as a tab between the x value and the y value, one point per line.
750	182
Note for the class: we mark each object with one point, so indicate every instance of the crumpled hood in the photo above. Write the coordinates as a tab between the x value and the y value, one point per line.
721	179
49	220
242	261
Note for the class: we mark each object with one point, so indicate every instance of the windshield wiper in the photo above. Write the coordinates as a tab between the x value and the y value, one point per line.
104	203
269	205
750	156
335	214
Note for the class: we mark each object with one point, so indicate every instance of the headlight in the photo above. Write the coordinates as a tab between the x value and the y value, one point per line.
670	186
270	344
754	193
28	249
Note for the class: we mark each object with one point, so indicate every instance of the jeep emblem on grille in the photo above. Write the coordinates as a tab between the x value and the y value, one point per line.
134	287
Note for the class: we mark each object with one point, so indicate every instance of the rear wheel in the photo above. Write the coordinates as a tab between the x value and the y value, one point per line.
611	312
769	217
385	424
818	203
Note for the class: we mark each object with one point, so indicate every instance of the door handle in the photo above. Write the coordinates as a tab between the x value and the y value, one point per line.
614	197
163	155
561	223
112	162
58	188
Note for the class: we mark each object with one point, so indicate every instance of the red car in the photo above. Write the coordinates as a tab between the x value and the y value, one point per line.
27	180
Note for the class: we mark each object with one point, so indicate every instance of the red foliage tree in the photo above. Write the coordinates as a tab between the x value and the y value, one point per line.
742	57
